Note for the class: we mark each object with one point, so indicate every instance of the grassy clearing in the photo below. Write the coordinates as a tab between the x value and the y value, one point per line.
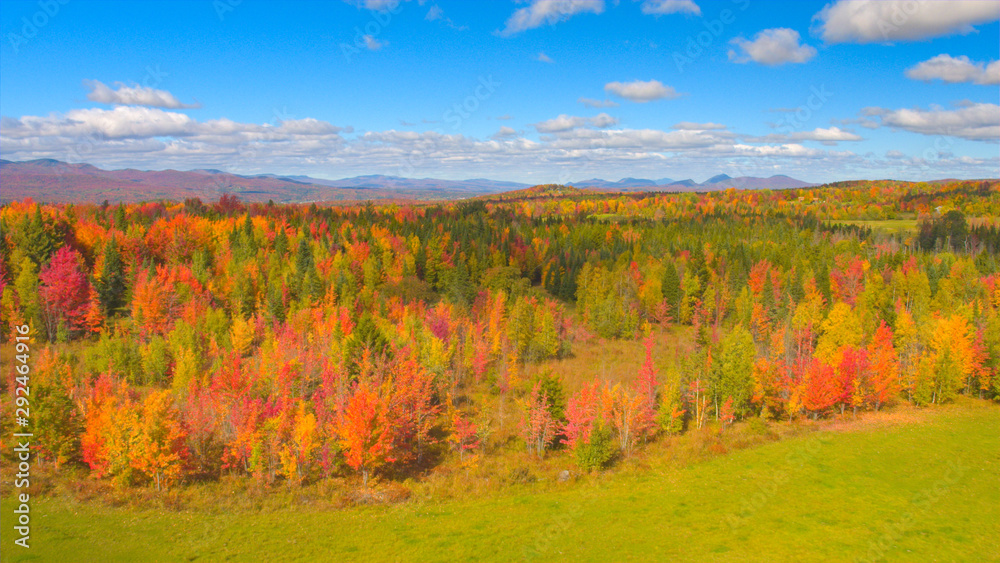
906	486
615	361
890	226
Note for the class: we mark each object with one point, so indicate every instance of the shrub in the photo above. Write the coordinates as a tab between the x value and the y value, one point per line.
596	453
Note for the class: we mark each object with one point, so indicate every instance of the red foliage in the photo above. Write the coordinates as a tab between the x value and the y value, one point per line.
537	427
582	410
727	416
847	280
852	377
366	431
821	388
65	290
647	386
884	359
464	434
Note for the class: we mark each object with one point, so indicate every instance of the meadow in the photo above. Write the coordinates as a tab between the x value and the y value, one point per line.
907	485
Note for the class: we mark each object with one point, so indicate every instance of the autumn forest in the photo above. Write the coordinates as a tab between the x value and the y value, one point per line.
179	342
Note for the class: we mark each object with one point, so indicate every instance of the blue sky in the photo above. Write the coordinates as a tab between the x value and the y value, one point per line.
532	91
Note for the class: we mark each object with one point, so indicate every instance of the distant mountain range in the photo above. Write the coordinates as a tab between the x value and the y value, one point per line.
720	182
56	181
53	180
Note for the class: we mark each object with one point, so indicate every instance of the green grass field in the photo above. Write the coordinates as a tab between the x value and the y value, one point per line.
893	488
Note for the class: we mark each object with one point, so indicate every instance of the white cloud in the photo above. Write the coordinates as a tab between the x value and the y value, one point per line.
307	126
660	7
549	12
376	5
130	122
955	69
830	136
562	123
772	47
644	141
542	57
639	91
505	117
691	126
373	44
864	21
787	150
434	13
153	138
974	121
894	154
603	120
504	133
132	96
592	103
569	122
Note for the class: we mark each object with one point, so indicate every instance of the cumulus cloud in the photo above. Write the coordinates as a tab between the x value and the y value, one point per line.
548	12
143	137
786	150
864	21
568	122
639	91
955	69
542	57
603	120
134	95
504	133
373	44
562	123
829	136
691	126
973	121
661	7
592	103
771	47
637	140
131	122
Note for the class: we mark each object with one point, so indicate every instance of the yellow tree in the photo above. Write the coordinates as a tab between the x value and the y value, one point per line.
841	328
950	361
160	451
297	454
